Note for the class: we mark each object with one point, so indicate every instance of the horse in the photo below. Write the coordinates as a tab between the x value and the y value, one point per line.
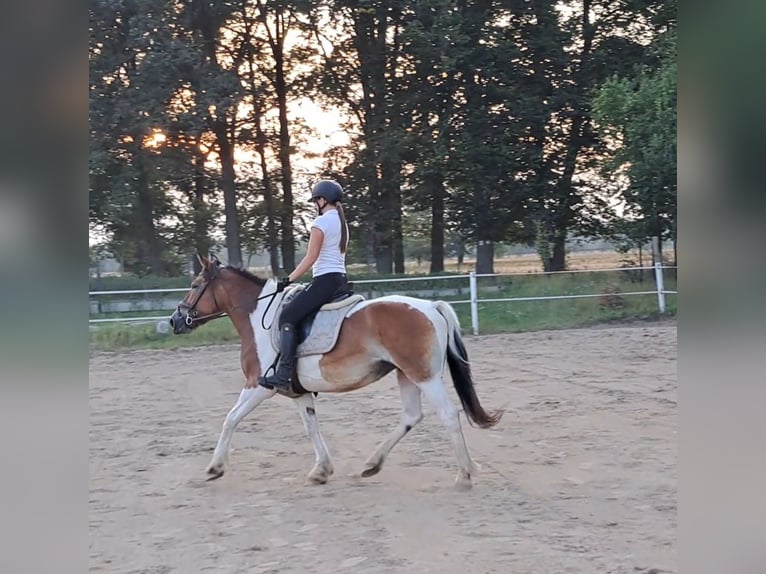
414	337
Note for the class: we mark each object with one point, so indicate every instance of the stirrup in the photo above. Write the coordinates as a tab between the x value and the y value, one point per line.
291	390
276	382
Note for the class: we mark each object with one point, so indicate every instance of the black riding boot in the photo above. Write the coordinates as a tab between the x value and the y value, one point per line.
282	379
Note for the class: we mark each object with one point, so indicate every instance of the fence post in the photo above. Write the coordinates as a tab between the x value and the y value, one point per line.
474	303
660	286
658	278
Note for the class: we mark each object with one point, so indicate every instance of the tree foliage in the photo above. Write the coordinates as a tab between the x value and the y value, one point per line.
468	124
638	111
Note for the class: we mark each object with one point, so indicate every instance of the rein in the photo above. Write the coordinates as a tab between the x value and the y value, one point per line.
192	315
263	317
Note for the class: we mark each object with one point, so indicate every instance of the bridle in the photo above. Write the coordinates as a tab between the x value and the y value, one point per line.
193	316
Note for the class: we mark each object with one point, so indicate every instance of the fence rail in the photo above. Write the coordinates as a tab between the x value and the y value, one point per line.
473	289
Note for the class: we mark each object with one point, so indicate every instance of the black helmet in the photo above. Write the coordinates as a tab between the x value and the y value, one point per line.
328	189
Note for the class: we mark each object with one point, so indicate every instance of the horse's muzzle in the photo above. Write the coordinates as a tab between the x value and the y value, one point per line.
179	324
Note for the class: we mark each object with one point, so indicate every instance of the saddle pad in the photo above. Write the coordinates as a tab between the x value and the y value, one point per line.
325	327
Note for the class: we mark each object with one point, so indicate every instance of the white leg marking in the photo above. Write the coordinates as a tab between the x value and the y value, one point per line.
412	414
323	466
247	401
436	394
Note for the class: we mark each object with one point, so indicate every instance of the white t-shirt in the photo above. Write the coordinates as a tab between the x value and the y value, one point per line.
330	259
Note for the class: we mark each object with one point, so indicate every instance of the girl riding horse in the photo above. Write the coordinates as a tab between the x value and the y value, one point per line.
326	256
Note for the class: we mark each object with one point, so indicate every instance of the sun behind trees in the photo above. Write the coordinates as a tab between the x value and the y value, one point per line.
466	124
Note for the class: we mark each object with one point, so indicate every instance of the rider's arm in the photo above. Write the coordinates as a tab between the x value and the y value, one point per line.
312	252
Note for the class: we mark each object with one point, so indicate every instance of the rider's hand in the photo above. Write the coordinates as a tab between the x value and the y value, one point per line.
282	283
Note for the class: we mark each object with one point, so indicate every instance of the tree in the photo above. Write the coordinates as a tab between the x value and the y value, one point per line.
428	82
478	116
416	227
486	197
638	112
280	19
127	102
362	73
214	80
569	50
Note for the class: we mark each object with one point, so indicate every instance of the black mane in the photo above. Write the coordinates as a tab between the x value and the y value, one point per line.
260	281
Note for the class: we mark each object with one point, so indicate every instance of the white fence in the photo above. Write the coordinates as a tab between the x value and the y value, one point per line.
473	291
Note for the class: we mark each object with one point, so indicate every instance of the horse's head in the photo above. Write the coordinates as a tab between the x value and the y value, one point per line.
204	300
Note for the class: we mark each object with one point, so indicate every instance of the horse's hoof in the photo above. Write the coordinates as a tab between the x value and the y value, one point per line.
214	472
371	470
319	475
315	480
463	483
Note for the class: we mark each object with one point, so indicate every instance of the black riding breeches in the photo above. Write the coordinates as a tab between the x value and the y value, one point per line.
319	291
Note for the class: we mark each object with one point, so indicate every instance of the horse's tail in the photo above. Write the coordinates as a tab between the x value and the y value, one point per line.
460	369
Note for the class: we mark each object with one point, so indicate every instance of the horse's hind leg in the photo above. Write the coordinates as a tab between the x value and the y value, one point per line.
249	398
436	394
411	415
323	467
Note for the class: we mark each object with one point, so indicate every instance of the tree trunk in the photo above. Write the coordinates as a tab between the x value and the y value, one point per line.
551	246
280	84
558	260
369	247
200	218
147	238
485	256
209	31
371	30
396	221
261	140
226	154
565	193
268	196
276	39
384	262
398	248
435	183
392	215
288	231
382	244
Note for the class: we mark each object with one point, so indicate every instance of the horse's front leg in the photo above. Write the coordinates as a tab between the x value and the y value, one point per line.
250	397
323	467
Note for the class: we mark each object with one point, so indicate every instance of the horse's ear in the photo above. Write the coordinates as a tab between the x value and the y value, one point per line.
214	260
202	261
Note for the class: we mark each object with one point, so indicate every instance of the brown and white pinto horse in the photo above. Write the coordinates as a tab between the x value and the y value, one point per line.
414	337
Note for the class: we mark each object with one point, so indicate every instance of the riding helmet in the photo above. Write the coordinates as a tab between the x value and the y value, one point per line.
329	189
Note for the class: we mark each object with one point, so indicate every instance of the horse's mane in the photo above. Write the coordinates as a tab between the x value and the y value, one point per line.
260	281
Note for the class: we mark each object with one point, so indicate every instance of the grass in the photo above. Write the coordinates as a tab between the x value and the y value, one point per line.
494	317
123	336
511	317
519	316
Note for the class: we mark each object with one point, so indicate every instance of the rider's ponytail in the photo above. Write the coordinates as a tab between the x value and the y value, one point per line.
343	228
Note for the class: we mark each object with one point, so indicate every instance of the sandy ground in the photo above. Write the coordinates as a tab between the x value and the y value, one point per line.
579	476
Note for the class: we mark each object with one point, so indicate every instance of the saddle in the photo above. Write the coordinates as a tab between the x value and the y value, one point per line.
318	332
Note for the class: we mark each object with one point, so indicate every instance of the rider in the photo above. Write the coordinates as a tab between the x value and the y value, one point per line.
326	256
